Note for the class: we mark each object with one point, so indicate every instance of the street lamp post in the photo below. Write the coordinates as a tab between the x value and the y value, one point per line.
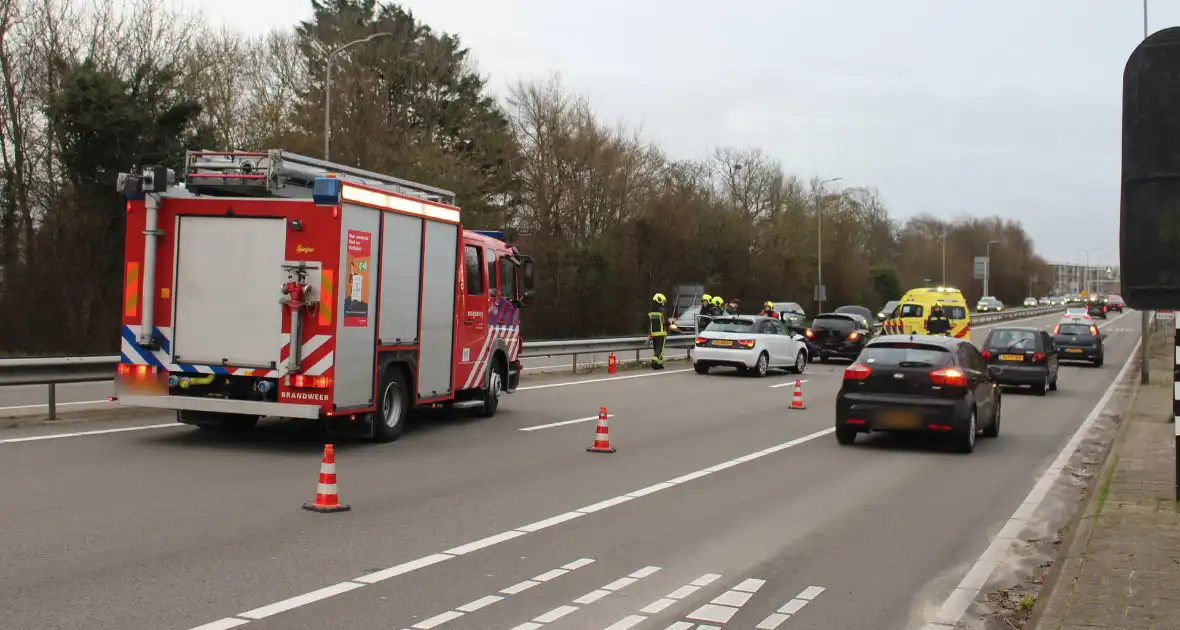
331	54
1086	271
819	244
944	257
987	269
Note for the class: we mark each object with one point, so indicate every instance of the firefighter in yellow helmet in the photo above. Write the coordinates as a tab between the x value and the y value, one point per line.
718	305
768	310
657	319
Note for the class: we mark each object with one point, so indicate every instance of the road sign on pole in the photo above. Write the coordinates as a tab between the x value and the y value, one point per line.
980	267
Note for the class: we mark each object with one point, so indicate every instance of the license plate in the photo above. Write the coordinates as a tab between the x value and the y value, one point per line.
1078	350
1011	357
722	342
897	420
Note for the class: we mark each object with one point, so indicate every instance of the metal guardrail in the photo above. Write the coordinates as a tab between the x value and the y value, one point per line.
52	371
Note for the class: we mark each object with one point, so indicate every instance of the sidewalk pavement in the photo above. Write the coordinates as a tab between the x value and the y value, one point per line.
1124	572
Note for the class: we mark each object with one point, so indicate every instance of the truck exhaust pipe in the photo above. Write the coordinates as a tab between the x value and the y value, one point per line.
151	233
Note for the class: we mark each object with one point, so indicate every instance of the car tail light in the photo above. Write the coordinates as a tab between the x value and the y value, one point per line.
702	341
1094	331
1038	357
855	421
303	381
857	372
987	355
746	343
948	376
940	427
810	335
854	336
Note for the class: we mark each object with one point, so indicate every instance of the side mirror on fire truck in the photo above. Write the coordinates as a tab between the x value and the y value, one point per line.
528	292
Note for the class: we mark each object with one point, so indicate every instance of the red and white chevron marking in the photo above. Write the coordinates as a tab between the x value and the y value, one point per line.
512	344
318	355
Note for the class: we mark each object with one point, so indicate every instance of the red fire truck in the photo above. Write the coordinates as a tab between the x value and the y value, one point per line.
273	284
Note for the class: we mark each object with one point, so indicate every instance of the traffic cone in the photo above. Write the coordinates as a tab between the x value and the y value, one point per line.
327	497
601	435
611	364
797	397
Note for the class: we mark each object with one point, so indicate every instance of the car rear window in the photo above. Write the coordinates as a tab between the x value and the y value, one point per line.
731	325
911	310
1073	329
1004	339
830	322
904	354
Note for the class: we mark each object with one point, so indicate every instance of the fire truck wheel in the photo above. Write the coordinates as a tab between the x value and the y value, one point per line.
491	395
391	413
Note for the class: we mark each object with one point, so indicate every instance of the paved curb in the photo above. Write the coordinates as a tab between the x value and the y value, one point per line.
1077	539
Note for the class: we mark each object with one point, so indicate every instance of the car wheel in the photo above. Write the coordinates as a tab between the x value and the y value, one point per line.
845	436
800	362
1043	388
966	440
823	357
993	430
1098	362
701	368
762	366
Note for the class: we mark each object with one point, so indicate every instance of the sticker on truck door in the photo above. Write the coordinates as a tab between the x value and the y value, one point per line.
356	307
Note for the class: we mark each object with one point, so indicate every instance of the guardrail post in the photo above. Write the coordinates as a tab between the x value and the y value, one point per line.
53	401
575	355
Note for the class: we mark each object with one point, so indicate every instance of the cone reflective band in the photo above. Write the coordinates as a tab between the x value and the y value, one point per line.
327	497
797	397
601	435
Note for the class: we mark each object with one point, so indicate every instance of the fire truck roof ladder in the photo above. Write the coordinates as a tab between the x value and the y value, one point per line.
277	173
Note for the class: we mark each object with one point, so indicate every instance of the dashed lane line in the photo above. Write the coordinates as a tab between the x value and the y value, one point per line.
58	436
726	605
426	561
659	605
588	598
484	602
790	608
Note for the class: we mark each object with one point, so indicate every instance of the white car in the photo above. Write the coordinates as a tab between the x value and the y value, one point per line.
1030	301
750	343
989	303
1076	315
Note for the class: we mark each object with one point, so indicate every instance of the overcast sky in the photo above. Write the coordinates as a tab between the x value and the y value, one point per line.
1002	107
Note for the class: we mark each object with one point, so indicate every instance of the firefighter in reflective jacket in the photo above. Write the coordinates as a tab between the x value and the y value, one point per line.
657	329
937	323
768	310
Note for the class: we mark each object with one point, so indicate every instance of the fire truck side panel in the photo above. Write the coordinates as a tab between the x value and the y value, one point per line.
438	318
401	260
360	230
228	271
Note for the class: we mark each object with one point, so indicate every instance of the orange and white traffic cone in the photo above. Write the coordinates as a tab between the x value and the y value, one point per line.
327	497
601	435
797	397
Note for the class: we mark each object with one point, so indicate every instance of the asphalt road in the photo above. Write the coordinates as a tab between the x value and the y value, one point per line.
510	524
31	400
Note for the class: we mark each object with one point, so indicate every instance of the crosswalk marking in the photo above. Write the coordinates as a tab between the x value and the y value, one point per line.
484	602
725	606
631	621
592	596
790	608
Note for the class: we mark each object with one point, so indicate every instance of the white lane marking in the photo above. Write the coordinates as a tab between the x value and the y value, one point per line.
563	423
414	565
627	622
726	605
789	383
58	436
790	608
956	604
222	624
588	598
680	625
300	600
488	600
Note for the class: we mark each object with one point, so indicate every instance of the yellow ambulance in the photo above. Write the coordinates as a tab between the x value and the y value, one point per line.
909	317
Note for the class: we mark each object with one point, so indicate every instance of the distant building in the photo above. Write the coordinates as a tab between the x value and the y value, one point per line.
1071	278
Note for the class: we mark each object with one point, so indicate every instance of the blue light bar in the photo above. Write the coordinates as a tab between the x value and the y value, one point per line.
492	234
325	191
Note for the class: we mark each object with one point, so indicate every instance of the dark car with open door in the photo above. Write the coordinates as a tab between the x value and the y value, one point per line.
1096	308
919	383
837	335
1022	356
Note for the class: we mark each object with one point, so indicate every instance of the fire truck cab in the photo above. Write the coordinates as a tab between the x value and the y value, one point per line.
273	284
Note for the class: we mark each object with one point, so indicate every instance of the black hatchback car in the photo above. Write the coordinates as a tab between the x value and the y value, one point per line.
1096	308
919	383
1022	356
840	335
1079	341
